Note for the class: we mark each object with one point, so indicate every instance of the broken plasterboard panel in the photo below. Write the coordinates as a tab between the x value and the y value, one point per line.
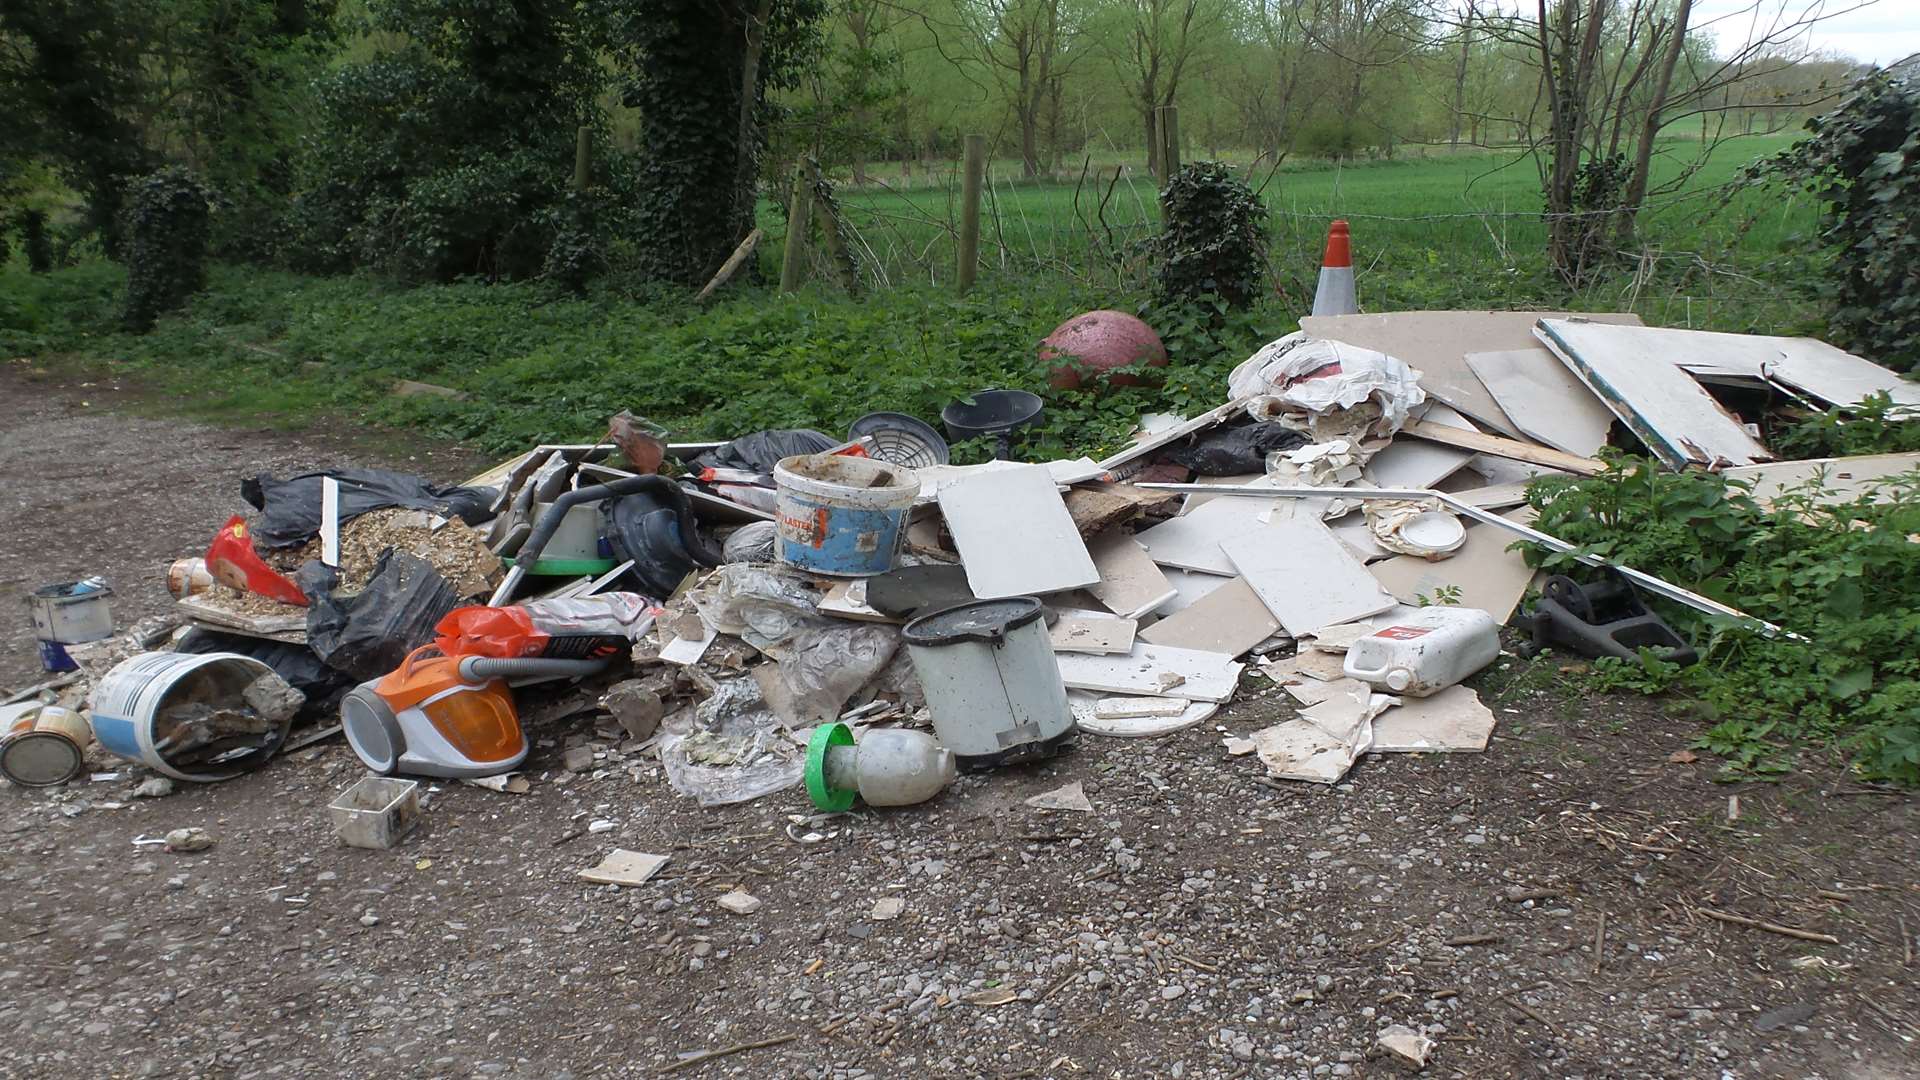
1192	541
1417	463
1661	404
1436	344
1229	620
1084	707
1131	584
1304	576
1071	797
1451	721
1353	531
623	867
1014	534
1545	400
848	600
1313	691
1099	636
1308	663
1153	671
1809	365
1189	586
1134	708
1839	480
1194	500
1323	743
1485	574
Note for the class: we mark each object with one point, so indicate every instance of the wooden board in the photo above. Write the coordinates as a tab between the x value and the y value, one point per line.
1204	676
1098	637
1511	449
1662	405
1305	576
1014	534
1841	479
1436	344
291	629
1487	575
1131	583
1229	620
1192	541
1094	512
1546	401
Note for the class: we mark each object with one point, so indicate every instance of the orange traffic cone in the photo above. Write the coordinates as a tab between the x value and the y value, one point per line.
1335	295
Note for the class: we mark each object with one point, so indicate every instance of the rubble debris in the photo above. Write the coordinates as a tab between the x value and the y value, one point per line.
1126	708
1085	707
451	546
739	902
636	706
153	787
1451	721
888	908
273	698
290	508
1200	676
623	867
1407	1044
189	839
1070	797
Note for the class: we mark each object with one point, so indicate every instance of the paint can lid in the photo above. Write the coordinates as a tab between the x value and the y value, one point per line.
40	759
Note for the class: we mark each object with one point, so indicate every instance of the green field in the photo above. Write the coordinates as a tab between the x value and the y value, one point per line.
536	363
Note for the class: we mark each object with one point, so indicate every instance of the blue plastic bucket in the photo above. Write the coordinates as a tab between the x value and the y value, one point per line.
841	516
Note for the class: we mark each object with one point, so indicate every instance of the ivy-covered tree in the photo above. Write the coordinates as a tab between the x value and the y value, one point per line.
698	71
451	154
1862	161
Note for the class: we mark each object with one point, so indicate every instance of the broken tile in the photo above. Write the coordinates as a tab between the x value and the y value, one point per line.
1098	636
623	867
1451	721
1068	797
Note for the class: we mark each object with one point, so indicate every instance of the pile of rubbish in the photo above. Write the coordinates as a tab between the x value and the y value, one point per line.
864	618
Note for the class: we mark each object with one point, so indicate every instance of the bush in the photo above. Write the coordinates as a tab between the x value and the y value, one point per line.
1213	246
1862	162
166	230
1843	576
33	237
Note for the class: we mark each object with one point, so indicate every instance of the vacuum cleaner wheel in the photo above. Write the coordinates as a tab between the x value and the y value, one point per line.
372	729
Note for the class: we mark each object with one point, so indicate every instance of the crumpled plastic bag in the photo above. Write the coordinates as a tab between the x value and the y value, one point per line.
823	665
761	605
762	450
1298	373
731	749
290	508
367	634
1234	451
752	543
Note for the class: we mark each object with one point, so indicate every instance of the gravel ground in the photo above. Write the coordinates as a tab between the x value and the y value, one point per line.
1537	910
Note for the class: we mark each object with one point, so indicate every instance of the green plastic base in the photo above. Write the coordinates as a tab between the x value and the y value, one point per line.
831	799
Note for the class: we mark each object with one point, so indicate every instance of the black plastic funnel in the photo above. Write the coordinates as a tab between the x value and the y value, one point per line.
998	413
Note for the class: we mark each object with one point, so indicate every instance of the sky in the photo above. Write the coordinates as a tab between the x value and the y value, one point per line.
1878	32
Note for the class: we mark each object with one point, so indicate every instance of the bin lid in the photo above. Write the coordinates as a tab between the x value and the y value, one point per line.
981	620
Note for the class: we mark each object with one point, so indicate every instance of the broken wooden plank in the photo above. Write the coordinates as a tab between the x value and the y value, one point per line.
1094	512
1662	405
1305	576
1228	620
1506	448
1014	534
1544	399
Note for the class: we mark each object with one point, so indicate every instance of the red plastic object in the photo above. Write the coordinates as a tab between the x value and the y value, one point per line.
1100	341
504	632
233	562
1339	246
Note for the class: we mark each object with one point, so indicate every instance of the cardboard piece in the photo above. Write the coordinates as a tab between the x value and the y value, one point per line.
1153	671
1131	584
1014	534
1451	721
1228	620
1304	576
1544	400
1662	405
623	867
1487	575
1436	344
1099	636
1192	541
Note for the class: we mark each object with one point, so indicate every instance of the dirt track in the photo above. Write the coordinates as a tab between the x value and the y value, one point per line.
1198	924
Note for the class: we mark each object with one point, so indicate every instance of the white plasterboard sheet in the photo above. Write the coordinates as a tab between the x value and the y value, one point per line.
1168	436
1808	365
1083	705
1544	399
1307	663
684	651
1840	479
1071	797
1487	575
1203	676
1014	534
1353	531
1192	541
1495	496
1305	576
1099	636
1229	620
1417	463
1451	721
1313	691
1197	499
1678	420
623	867
1131	583
1436	344
1189	587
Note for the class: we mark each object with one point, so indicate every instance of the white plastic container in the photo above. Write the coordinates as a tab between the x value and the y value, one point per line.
1425	652
376	812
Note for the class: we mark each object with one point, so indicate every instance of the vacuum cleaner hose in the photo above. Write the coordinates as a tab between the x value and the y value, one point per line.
661	486
476	668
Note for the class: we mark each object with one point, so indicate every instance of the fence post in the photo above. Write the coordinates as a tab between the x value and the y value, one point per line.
976	165
841	266
799	216
1167	128
582	157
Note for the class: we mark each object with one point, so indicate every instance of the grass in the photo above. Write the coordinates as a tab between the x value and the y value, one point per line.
1455	231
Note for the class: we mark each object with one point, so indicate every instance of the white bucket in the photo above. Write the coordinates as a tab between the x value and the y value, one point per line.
128	700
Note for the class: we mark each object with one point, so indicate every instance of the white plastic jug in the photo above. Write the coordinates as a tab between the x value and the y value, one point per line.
1425	652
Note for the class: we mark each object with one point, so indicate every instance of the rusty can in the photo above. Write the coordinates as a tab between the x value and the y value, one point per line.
187	577
45	746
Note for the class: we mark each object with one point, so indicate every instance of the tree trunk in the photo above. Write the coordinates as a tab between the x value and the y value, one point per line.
1650	125
1153	142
